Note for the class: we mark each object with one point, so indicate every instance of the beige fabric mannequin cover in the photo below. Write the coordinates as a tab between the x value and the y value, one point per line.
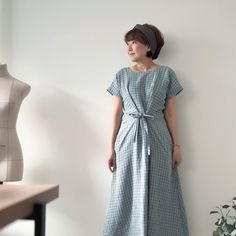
12	93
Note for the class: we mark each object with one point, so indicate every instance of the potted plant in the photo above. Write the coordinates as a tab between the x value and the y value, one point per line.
226	224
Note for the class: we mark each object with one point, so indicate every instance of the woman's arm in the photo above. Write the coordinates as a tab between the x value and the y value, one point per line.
116	120
170	116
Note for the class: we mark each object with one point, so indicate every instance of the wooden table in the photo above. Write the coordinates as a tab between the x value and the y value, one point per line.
26	201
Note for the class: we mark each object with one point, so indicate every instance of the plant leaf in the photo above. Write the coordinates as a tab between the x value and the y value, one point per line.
213	212
219	222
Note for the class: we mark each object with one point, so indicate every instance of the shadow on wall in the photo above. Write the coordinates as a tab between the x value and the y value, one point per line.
63	151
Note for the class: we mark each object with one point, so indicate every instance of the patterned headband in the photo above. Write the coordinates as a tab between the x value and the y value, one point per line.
150	35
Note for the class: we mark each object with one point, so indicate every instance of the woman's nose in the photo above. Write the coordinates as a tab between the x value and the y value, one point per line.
130	48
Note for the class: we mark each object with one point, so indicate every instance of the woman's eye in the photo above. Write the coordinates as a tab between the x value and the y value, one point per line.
131	42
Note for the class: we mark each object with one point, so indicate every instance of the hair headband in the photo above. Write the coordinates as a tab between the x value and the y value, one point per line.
150	35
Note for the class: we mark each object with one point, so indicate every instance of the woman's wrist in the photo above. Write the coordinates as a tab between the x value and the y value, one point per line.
177	145
111	148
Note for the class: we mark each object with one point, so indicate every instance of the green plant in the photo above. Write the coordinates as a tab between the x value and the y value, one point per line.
226	224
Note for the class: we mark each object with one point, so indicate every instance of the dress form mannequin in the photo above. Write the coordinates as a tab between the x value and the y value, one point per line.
12	93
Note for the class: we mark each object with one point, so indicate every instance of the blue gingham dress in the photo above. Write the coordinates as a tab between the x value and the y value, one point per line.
146	196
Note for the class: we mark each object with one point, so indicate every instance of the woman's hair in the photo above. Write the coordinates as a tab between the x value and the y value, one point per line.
135	34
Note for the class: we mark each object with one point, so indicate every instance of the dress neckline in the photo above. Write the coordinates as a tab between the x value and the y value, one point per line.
153	69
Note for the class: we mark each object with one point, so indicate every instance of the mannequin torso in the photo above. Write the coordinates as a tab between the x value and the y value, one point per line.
12	93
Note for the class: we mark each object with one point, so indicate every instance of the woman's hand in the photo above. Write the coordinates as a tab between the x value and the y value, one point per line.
176	157
111	161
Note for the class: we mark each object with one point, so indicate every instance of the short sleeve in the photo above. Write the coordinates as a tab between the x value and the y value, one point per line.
174	86
114	87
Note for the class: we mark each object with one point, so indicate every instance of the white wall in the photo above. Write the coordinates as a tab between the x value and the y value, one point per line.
69	51
1	26
5	22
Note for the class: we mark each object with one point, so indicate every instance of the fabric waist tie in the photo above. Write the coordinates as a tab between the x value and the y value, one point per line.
143	116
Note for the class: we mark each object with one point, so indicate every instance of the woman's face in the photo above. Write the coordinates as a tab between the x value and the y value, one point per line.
136	50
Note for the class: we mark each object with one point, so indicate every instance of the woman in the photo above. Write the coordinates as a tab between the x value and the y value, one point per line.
146	196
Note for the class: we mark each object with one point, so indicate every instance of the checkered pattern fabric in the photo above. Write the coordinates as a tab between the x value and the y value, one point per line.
146	196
